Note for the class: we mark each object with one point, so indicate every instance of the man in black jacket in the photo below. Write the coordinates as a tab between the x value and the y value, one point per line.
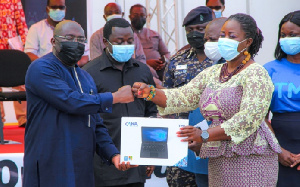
114	68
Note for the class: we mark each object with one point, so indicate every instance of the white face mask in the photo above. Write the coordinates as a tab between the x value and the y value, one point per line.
211	51
113	16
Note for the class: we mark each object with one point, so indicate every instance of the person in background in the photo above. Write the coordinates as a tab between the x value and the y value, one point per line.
38	41
64	129
97	46
12	25
285	104
235	96
218	7
183	67
154	48
211	37
111	11
111	70
197	165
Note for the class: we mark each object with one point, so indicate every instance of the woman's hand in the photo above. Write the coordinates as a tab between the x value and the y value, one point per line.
140	90
297	161
285	158
192	134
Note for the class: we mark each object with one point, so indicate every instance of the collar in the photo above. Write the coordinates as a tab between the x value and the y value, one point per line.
138	31
106	63
48	24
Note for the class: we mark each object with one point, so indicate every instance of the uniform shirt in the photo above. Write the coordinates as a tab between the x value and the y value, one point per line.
285	76
183	67
97	46
153	45
39	37
63	128
12	22
110	79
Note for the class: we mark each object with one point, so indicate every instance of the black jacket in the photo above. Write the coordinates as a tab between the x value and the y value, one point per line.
110	79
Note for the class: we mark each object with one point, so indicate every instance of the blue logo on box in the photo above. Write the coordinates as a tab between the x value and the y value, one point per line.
125	158
131	124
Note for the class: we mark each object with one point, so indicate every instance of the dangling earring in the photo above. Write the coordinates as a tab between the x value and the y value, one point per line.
248	56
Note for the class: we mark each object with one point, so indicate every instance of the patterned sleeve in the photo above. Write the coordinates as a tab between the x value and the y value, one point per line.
257	94
20	22
185	98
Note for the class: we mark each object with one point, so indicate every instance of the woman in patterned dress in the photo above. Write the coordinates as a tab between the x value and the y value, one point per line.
235	96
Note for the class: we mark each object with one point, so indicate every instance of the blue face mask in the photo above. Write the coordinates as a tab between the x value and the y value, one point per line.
228	48
290	45
121	53
57	14
218	13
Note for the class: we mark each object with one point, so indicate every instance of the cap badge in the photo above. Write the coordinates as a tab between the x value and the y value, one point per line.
201	17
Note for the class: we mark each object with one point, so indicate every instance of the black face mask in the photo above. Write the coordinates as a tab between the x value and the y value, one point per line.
195	39
70	52
138	22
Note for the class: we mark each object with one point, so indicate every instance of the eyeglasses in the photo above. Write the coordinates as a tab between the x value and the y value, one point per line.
73	38
215	7
58	7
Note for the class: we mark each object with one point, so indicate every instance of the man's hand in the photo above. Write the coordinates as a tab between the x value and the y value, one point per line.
121	166
156	64
149	170
123	95
195	146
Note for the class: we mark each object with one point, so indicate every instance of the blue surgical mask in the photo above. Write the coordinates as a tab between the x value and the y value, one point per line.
57	14
110	17
121	53
290	45
218	13
228	48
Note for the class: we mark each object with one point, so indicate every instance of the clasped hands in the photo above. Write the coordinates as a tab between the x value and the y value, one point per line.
289	159
126	94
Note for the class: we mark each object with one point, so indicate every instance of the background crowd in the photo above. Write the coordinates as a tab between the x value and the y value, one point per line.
253	111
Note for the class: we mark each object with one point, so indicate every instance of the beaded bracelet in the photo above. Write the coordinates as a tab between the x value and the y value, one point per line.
152	93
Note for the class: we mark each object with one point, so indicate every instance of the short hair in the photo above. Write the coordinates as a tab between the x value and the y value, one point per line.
137	5
248	25
116	22
293	17
221	1
48	2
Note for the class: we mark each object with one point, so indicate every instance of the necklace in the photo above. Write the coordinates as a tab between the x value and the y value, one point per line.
225	75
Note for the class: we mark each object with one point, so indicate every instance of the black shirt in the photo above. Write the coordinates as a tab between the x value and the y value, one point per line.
109	79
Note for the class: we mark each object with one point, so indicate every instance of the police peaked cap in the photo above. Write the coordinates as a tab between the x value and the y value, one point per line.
199	15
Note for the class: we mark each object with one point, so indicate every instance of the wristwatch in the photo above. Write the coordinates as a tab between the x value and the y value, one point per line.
204	136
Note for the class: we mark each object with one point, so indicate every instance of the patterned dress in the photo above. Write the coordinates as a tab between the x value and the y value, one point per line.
239	107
